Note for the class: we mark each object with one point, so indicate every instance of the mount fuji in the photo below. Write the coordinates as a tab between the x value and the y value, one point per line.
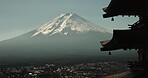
68	35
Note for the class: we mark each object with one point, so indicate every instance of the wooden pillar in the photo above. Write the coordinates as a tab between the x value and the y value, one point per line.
143	55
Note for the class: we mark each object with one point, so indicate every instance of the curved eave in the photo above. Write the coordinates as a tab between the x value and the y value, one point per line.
122	39
125	7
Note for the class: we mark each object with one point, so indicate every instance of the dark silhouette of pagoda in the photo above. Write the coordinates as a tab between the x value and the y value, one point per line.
136	37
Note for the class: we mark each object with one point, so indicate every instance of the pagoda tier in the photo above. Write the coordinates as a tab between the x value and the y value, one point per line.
125	7
127	39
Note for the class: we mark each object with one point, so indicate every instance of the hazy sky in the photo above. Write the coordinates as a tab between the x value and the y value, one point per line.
20	16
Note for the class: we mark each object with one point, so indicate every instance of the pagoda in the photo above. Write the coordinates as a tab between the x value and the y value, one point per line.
136	37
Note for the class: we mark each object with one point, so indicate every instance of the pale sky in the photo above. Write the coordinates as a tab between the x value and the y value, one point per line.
21	16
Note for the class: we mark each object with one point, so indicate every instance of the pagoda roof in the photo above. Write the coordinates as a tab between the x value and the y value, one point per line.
126	39
125	7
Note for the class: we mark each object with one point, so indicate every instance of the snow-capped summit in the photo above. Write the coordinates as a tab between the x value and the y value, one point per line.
70	21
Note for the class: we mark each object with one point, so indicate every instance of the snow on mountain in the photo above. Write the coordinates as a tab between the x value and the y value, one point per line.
70	21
